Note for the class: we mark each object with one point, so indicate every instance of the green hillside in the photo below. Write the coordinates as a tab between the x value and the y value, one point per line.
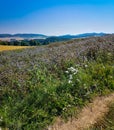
41	83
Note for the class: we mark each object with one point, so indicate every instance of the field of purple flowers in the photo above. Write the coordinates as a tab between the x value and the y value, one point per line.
38	84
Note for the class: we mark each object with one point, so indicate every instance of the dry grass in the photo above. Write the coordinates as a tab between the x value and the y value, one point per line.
6	48
89	115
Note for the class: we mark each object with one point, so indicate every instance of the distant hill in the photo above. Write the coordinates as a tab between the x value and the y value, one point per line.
25	36
43	39
84	35
69	37
39	36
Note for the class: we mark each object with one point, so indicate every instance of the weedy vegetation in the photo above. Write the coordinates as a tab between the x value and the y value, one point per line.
39	84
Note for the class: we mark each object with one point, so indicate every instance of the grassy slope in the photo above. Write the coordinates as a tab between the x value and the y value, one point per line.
38	84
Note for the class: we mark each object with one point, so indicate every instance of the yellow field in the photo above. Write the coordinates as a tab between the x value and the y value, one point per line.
6	48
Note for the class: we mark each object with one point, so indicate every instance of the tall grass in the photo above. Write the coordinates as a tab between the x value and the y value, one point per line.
47	93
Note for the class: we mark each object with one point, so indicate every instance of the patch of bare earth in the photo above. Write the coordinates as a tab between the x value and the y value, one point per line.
87	117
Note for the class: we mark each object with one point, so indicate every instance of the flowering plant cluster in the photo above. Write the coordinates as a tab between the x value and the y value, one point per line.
71	72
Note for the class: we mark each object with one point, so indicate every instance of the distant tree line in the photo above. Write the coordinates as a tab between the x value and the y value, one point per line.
34	42
22	43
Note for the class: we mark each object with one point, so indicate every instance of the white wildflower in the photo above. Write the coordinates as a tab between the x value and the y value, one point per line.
86	66
1	118
76	71
78	80
69	81
67	72
64	108
69	105
70	77
84	84
73	70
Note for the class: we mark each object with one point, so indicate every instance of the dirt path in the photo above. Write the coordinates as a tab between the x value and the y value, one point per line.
87	117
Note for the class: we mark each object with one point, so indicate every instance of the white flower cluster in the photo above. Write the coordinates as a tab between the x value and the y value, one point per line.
86	66
1	119
71	71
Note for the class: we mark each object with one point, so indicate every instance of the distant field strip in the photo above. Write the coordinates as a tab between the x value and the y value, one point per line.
6	48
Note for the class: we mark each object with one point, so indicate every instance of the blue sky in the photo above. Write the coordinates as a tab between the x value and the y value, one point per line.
56	17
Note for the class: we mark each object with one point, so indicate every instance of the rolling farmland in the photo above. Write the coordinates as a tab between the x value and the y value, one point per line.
7	48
